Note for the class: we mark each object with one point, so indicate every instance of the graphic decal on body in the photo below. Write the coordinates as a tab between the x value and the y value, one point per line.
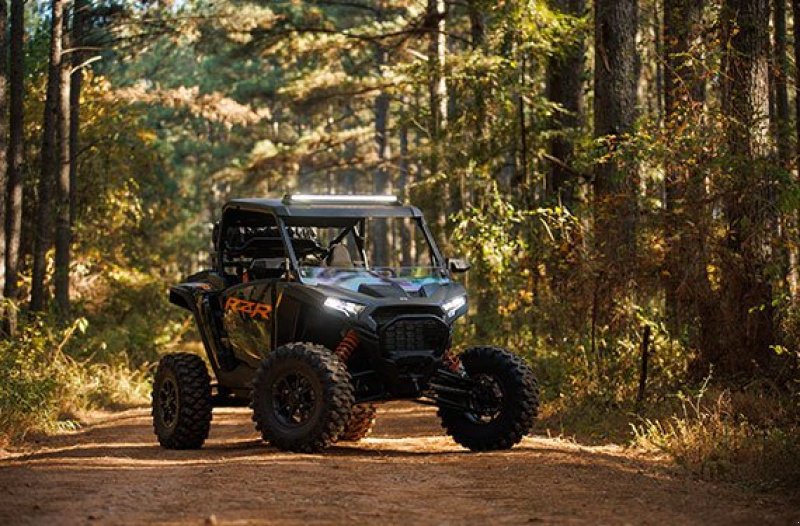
250	308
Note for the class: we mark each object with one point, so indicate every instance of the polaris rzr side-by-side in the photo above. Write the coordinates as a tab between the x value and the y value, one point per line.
319	307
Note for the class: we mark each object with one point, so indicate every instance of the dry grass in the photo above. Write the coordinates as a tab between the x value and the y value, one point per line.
749	437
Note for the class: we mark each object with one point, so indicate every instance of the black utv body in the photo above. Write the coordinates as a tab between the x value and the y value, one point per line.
320	307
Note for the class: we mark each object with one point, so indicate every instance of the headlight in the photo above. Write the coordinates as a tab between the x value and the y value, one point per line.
346	307
452	306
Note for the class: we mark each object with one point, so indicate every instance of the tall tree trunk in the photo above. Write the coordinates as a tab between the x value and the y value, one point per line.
565	88
521	181
746	302
782	127
616	183
380	233
3	129
79	17
49	160
380	228
477	23
403	181
63	195
659	65
16	150
686	283
437	92
794	257
781	72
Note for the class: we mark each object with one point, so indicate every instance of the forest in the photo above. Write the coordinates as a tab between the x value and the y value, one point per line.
622	176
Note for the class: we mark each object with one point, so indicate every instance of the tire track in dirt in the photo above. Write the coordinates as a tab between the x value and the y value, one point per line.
406	472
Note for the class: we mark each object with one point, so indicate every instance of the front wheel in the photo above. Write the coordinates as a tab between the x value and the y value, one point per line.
302	397
503	401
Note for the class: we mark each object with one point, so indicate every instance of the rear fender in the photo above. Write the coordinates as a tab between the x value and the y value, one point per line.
196	297
188	295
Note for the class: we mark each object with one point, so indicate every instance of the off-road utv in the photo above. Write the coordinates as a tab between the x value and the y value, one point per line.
319	307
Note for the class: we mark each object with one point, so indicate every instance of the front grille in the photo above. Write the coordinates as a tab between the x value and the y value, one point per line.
384	315
422	333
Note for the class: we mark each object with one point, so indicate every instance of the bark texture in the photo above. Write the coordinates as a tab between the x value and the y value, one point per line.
16	149
49	161
615	110
3	128
565	87
63	175
746	303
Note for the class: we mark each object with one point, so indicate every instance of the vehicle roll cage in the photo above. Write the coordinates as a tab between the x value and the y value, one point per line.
286	214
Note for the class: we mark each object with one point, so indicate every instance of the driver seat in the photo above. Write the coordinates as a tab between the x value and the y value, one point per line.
339	257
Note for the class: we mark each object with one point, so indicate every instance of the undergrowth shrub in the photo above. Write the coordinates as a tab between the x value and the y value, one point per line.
749	436
50	371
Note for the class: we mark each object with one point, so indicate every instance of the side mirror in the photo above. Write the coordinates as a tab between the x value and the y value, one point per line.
458	266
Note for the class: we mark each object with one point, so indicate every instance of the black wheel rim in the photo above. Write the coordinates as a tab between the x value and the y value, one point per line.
294	399
486	400
168	402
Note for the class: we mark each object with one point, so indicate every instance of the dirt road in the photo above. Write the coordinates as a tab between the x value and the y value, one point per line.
406	472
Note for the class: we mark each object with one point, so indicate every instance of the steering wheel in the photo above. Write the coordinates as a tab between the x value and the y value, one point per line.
384	273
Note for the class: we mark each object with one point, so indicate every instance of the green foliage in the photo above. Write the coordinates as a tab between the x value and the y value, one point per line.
43	386
50	373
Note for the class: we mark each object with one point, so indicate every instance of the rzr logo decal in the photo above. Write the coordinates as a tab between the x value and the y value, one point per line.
250	308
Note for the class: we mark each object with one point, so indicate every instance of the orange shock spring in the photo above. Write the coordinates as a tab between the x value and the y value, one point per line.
450	361
347	346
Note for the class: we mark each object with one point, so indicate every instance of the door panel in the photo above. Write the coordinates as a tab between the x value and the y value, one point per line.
247	317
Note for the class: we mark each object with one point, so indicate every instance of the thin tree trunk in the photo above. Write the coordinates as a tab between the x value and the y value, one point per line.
783	136
781	71
63	194
659	45
477	24
49	161
746	303
565	88
437	88
522	176
79	17
16	150
3	129
794	257
380	241
403	180
509	170
380	229
796	31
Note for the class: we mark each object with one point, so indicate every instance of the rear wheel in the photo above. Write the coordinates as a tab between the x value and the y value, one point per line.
302	397
181	401
360	424
503	401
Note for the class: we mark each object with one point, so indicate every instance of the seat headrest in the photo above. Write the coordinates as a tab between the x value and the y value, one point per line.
339	257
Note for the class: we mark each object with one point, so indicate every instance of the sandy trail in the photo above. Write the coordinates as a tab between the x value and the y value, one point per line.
406	472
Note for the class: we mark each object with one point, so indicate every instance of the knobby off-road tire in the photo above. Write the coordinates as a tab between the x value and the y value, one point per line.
518	404
302	397
361	421
181	401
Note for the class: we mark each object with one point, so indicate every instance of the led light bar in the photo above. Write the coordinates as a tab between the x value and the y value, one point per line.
341	199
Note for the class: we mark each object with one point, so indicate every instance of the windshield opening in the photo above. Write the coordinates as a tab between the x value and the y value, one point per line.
373	251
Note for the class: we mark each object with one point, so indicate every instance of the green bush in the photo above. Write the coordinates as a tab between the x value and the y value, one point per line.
51	372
